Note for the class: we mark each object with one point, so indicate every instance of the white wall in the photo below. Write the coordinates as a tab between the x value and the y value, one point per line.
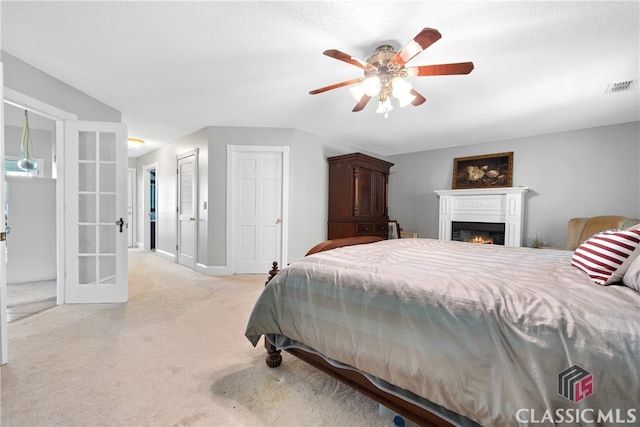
586	172
31	245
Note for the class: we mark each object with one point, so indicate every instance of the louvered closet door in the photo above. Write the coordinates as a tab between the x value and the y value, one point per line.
187	209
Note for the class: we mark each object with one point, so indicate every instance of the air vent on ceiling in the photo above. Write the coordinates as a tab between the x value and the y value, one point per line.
621	86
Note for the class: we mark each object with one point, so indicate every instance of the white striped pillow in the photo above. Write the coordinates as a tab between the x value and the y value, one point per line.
606	256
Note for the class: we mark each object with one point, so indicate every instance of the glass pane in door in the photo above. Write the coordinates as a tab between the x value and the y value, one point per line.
107	268
87	146
87	208
87	270
97	207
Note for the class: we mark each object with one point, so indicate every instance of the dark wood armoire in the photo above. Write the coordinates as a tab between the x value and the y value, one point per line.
358	196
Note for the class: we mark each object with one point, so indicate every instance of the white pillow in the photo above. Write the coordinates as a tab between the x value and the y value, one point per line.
607	255
632	276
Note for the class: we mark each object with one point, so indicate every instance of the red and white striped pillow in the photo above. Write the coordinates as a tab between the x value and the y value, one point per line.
606	256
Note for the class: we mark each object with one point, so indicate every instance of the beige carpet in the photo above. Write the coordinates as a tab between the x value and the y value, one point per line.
174	355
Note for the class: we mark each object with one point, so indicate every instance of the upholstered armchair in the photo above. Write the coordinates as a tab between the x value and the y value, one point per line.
580	229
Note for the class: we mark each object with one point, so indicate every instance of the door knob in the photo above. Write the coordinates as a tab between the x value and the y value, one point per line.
192	219
120	222
278	221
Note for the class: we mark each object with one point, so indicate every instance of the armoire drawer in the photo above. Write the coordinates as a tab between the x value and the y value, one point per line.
373	227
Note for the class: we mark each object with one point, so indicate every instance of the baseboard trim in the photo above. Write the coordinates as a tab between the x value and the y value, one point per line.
166	255
221	270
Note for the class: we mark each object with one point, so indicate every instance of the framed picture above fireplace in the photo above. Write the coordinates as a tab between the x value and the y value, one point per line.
489	170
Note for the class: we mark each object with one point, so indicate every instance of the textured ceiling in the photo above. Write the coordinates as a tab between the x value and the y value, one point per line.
173	68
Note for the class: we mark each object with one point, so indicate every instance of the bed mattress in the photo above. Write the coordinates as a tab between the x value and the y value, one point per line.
486	331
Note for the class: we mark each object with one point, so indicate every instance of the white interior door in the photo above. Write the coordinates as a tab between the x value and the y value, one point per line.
257	209
3	243
96	212
187	208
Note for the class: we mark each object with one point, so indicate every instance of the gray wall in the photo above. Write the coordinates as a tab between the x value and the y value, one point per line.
166	187
586	172
307	193
28	80
580	173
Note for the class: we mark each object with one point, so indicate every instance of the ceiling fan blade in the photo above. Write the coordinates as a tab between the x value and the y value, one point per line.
344	57
440	69
336	85
420	42
419	100
363	103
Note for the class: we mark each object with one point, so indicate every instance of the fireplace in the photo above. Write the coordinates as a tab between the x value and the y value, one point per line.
491	209
478	232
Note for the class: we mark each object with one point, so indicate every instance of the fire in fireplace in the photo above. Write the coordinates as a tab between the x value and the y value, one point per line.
478	232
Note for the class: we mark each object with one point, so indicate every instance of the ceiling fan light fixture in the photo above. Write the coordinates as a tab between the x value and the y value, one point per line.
357	91
371	85
400	86
385	72
384	107
406	99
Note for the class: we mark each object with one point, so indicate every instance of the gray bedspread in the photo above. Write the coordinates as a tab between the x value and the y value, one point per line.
482	330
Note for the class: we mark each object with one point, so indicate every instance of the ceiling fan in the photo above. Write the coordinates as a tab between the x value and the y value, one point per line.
385	73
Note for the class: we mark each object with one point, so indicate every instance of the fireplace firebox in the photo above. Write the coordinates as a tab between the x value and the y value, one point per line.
478	232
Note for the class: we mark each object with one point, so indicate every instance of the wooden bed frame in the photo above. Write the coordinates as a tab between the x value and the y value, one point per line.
350	377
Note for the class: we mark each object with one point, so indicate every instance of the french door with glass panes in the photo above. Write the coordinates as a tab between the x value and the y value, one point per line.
96	212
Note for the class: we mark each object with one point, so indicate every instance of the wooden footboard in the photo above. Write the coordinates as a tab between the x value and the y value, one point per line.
350	377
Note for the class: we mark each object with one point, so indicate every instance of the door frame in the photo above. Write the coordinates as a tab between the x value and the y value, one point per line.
231	175
132	187
59	116
196	206
146	237
4	353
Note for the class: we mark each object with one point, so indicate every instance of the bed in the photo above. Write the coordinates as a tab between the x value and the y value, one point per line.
452	333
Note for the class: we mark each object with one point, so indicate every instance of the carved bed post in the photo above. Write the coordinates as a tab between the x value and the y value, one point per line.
273	272
274	358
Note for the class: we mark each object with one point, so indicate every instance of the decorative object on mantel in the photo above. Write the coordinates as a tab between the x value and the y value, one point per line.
27	162
486	171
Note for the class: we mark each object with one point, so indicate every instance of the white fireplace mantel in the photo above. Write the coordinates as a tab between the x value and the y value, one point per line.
494	205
